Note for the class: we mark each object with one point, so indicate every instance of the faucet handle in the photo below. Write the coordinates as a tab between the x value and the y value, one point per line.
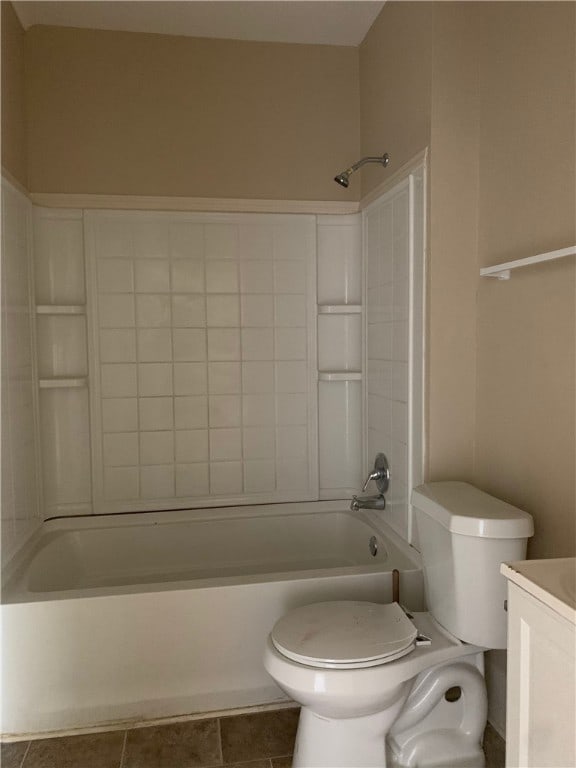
372	476
380	474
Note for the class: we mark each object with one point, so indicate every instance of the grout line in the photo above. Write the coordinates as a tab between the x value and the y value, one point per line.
219	729
25	754
123	749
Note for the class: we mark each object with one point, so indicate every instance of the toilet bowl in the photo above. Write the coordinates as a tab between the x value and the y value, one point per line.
382	688
349	703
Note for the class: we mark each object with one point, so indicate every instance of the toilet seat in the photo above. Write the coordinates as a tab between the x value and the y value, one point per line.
344	634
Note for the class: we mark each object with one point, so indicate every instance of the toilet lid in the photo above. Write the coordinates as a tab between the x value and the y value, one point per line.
344	635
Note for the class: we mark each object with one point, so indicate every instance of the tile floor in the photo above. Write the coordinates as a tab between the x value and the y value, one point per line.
259	740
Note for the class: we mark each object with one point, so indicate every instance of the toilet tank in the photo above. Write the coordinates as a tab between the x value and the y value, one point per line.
465	535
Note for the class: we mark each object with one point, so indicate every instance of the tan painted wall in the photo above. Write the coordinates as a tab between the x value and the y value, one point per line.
395	66
14	158
453	230
526	418
125	113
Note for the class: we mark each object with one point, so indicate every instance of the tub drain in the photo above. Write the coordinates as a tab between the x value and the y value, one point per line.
373	546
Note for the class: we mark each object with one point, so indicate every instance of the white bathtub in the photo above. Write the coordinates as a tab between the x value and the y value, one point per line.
127	618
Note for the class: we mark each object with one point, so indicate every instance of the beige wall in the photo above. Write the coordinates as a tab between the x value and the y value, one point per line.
14	158
132	113
525	435
452	266
395	66
501	356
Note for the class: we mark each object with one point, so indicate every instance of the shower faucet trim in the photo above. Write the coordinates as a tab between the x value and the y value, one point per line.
381	476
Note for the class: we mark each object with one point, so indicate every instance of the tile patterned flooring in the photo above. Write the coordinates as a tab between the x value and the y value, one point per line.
258	740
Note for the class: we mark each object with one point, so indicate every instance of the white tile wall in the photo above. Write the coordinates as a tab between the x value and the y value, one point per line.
20	480
394	280
203	356
388	301
203	350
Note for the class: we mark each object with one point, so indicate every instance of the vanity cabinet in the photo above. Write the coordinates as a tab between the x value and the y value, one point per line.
541	693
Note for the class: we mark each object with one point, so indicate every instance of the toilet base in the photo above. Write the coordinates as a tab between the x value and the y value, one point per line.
441	749
433	732
354	742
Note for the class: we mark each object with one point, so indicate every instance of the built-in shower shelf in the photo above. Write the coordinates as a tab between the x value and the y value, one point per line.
339	309
339	376
60	309
63	382
502	271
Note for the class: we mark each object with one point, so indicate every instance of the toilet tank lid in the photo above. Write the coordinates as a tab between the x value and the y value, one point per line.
461	508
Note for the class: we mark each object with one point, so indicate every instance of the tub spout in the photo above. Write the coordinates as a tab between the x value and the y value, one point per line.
368	502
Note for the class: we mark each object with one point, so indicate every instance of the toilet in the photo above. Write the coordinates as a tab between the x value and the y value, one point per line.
379	686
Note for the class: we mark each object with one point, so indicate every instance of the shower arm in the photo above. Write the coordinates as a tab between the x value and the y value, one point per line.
382	159
343	177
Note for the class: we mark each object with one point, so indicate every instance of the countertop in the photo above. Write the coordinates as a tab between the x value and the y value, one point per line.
553	582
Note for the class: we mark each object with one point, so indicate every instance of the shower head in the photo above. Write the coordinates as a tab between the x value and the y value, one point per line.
344	178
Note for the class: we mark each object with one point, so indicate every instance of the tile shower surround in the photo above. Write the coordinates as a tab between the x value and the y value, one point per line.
204	355
261	740
394	296
20	481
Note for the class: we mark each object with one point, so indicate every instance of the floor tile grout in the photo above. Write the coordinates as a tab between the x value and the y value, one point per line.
123	749
25	754
219	727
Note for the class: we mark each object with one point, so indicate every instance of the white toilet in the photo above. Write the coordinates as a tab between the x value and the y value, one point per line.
380	687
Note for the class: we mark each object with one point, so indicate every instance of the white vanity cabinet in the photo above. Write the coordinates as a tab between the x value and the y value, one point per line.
541	694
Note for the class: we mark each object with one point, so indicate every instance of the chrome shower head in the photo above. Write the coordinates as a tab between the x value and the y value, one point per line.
344	178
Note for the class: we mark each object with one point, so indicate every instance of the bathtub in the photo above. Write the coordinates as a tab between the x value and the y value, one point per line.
121	619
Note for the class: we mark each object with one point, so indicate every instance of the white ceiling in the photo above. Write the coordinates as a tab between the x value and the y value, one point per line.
327	22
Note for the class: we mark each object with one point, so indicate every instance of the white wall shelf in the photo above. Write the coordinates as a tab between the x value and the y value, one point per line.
502	271
60	309
63	382
339	376
339	309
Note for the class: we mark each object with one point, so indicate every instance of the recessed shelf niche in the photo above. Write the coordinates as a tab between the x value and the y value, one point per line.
339	355
62	361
